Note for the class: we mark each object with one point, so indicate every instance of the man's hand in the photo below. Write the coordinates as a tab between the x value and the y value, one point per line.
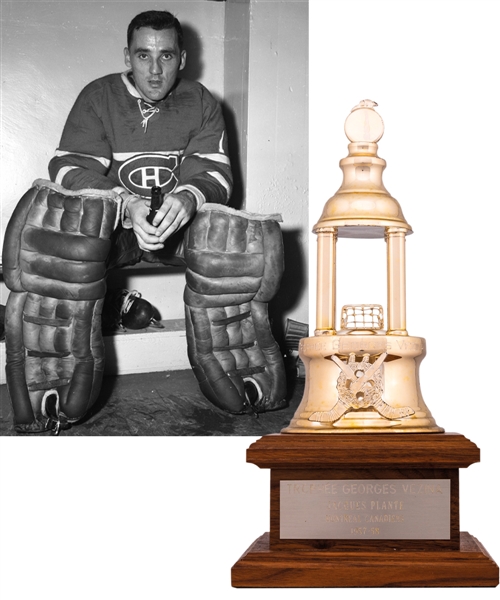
137	210
175	212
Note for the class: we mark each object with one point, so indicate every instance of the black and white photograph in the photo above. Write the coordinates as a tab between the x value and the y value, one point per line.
194	192
116	299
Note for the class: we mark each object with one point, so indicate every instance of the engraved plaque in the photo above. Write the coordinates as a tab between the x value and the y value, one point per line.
390	509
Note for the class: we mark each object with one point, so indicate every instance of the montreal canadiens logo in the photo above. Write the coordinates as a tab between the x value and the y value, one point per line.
140	173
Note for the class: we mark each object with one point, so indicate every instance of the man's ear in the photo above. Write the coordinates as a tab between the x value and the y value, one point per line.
126	55
183	60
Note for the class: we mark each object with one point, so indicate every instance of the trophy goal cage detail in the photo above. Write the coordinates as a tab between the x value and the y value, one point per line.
362	316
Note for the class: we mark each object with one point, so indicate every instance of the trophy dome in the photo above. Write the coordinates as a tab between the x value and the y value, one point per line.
362	207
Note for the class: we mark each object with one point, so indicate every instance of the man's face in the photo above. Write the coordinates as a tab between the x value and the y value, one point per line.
155	60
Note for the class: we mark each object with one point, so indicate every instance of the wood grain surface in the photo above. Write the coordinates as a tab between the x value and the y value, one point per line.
261	567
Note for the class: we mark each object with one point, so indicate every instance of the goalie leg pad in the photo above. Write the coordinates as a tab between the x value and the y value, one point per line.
55	249
234	267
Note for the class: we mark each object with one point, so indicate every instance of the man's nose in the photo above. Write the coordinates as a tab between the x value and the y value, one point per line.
155	67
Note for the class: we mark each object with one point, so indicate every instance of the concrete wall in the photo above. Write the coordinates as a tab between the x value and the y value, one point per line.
277	165
246	53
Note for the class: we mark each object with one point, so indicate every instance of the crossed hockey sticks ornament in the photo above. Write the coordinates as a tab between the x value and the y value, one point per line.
360	386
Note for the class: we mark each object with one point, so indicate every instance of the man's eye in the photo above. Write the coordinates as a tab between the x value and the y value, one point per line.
167	57
143	56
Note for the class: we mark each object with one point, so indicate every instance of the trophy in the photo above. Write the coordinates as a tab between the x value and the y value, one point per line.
373	500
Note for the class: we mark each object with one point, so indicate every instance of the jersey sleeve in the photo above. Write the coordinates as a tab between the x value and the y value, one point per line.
205	168
83	157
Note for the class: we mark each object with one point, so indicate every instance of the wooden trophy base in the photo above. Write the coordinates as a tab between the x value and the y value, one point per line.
260	567
307	465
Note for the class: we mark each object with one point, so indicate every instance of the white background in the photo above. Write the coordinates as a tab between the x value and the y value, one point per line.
168	517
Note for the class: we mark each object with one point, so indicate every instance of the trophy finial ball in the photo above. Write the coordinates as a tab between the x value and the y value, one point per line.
364	124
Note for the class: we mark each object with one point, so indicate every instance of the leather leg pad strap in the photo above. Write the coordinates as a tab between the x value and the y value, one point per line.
55	249
234	267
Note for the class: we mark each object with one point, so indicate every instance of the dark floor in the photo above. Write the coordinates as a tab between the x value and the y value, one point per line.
166	403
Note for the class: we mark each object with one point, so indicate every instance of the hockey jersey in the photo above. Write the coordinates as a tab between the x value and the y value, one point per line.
114	138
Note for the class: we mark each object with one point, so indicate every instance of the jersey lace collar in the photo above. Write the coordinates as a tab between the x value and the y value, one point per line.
146	109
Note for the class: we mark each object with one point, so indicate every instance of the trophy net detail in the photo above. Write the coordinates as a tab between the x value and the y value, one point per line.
362	316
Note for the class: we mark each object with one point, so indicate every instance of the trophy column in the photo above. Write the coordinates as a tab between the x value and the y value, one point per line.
396	281
373	500
326	296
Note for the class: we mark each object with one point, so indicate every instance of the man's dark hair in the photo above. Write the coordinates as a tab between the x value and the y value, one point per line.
158	20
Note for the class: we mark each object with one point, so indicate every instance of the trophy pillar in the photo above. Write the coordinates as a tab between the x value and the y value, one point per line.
326	296
396	281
